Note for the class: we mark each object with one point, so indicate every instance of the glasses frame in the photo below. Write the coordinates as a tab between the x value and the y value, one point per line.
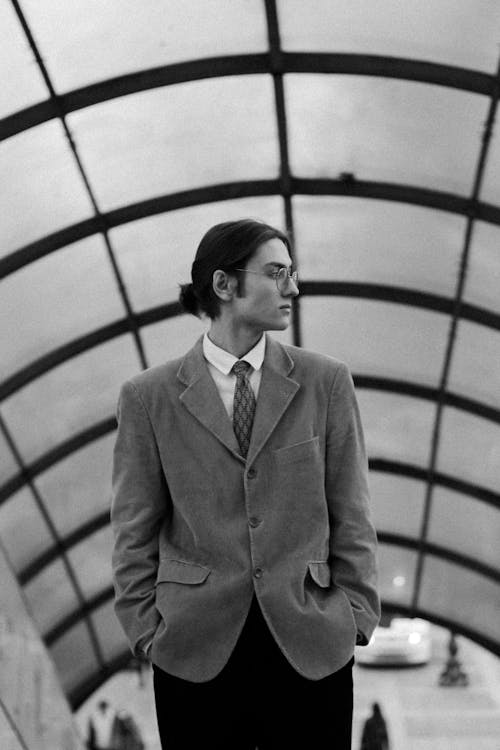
279	277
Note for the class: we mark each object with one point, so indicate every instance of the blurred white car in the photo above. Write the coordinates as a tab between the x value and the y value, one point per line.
406	641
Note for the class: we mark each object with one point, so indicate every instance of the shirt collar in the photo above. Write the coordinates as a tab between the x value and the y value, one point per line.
224	361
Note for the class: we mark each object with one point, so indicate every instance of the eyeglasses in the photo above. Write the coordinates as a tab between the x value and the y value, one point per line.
282	277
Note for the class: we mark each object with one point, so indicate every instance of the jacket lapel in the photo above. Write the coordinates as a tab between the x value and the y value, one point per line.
202	399
275	394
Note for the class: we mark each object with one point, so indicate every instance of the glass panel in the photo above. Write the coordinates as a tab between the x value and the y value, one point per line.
470	449
57	299
72	670
153	143
91	561
380	242
23	530
475	370
453	592
8	465
468	526
22	83
171	338
111	637
483	273
71	397
367	127
396	574
41	188
51	596
146	34
155	254
377	338
78	489
397	427
397	503
447	32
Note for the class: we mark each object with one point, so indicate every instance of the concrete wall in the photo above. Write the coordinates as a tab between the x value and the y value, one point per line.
34	714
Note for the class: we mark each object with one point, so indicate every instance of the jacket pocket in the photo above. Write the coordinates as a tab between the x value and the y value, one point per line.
304	451
178	571
320	573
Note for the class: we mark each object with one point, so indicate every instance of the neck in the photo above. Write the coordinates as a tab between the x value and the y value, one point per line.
235	340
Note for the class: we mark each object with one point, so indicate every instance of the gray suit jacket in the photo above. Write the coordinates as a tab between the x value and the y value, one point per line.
199	530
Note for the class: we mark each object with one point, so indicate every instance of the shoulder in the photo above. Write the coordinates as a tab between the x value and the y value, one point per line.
153	380
154	376
315	362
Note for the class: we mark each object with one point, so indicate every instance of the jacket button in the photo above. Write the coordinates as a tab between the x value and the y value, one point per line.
251	473
258	572
253	521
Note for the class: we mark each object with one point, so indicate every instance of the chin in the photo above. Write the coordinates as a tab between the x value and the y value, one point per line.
281	325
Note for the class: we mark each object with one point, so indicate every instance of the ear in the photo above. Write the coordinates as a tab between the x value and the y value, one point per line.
224	285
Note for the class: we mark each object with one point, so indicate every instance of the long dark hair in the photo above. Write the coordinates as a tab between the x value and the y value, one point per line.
225	246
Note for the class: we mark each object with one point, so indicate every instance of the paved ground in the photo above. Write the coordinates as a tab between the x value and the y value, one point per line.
423	716
420	714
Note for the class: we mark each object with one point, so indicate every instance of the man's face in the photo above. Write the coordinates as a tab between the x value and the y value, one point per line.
263	307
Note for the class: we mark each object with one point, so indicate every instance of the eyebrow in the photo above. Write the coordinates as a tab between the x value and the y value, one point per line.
276	264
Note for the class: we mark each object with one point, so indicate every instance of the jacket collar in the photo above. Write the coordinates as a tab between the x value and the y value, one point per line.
202	399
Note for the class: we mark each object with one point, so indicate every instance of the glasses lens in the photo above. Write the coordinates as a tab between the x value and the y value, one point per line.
283	278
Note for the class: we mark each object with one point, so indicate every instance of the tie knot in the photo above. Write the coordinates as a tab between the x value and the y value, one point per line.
241	368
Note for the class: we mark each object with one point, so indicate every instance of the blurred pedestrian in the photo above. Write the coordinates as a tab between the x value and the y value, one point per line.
125	733
100	727
375	735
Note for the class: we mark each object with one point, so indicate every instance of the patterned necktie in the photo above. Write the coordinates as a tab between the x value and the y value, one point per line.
243	406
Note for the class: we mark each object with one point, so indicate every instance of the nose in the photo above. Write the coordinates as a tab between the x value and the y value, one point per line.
293	289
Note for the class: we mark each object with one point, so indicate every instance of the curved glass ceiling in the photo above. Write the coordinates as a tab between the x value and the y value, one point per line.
126	130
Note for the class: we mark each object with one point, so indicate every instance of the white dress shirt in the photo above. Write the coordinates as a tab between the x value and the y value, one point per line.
221	362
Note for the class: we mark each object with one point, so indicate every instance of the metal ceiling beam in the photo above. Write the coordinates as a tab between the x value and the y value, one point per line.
366	291
98	215
408	471
418	390
83	612
411	471
456	316
84	531
401	296
382	66
87	687
276	69
457	627
56	454
389	385
443	553
82	344
353	188
450	556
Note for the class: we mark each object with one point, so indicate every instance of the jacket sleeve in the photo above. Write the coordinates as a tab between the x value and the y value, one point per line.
139	506
353	541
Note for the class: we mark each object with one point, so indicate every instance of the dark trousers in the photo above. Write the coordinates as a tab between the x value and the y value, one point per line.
257	701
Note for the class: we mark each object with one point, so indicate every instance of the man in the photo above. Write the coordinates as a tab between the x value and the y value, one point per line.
244	559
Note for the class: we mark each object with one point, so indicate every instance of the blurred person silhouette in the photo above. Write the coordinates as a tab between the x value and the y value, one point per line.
125	734
375	735
100	727
244	556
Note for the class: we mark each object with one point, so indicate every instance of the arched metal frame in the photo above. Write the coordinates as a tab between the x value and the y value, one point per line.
276	63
